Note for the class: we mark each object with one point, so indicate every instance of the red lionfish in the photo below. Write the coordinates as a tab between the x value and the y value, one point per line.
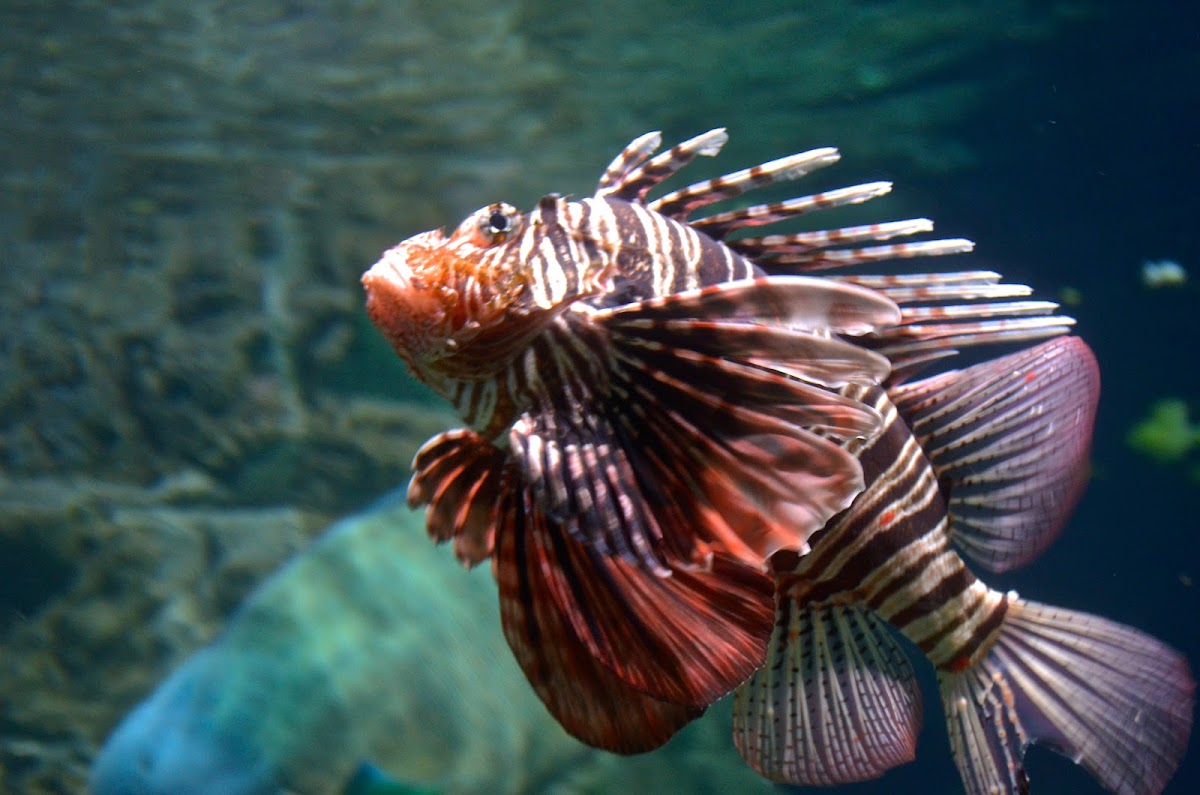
669	424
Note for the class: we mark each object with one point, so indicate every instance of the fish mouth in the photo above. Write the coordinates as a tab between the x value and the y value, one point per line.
392	287
411	310
448	312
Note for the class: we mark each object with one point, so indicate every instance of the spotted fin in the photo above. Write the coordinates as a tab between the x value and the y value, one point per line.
623	657
1009	440
1112	699
836	702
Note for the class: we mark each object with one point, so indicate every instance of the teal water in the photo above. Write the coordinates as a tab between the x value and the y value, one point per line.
190	191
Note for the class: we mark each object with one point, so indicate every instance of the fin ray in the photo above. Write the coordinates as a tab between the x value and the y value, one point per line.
458	475
631	181
720	225
799	302
934	324
1114	700
681	203
711	375
591	702
828	361
688	637
629	158
1009	440
837	701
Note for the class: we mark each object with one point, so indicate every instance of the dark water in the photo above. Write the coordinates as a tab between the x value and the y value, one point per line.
190	192
1095	158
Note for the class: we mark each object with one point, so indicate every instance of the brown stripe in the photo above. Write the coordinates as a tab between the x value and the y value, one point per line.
884	543
964	613
905	577
631	237
982	634
559	238
941	594
717	263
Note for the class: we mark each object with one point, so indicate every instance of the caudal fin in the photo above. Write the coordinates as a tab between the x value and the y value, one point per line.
1110	698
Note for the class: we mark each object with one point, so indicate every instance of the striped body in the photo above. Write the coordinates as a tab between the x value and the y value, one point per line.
594	253
891	551
663	410
649	418
645	253
986	463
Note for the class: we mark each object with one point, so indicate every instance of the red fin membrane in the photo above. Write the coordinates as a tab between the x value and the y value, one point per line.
744	480
459	475
1112	699
688	638
705	433
591	702
586	483
1009	440
836	702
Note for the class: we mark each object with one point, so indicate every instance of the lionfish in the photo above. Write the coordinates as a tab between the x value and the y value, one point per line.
697	466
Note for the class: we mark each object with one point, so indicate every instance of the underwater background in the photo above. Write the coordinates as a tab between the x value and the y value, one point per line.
189	191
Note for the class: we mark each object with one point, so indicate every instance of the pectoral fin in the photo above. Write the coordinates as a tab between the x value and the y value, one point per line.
459	475
587	698
706	420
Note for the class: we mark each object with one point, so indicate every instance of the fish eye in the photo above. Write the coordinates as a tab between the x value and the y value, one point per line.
497	223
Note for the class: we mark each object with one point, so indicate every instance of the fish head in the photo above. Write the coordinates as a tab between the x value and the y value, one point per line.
457	306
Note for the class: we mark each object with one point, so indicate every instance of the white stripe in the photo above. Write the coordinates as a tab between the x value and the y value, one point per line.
550	275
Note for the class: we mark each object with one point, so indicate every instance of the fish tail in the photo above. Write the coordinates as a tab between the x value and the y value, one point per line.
1111	698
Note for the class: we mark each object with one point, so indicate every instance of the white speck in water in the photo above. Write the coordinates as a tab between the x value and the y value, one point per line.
1163	273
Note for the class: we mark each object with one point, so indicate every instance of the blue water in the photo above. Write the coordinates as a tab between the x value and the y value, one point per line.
280	147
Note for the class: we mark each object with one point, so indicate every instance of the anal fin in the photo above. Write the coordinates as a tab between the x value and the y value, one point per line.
836	701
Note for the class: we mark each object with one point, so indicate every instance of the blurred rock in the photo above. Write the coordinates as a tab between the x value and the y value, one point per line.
376	645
